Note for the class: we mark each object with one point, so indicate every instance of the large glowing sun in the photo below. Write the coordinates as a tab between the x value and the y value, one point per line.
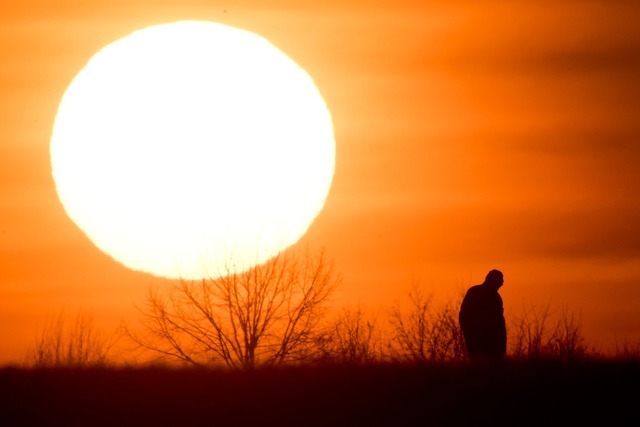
188	149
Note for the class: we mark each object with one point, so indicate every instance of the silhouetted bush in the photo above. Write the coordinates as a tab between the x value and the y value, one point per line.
424	332
536	334
351	338
76	344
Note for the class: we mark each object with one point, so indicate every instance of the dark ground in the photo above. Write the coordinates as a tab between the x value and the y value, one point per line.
550	393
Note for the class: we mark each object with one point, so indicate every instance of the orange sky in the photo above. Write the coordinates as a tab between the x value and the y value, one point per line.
470	135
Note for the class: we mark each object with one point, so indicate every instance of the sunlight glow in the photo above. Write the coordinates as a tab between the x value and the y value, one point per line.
184	146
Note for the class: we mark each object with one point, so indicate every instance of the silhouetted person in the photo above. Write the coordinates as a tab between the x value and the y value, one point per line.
482	320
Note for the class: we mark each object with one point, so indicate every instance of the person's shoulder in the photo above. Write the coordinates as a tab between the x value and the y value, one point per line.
474	290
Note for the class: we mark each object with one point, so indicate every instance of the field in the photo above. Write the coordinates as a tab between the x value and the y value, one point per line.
526	393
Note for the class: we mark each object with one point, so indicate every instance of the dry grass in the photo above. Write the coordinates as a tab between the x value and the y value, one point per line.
519	393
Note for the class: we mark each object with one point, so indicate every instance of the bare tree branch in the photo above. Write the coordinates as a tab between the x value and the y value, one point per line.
266	315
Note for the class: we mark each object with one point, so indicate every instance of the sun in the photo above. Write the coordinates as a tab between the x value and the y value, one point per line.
192	149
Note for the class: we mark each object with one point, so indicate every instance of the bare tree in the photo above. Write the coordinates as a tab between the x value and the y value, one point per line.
267	315
77	344
352	338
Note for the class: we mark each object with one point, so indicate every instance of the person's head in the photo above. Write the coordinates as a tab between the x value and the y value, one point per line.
494	278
